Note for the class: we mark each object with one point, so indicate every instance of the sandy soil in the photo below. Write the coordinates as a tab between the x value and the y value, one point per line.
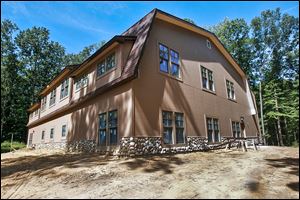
271	172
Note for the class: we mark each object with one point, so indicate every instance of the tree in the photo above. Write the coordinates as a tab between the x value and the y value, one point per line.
234	34
13	104
275	38
189	20
84	54
42	59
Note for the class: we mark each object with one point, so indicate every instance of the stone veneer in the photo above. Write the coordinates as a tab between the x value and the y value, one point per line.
130	146
50	145
82	146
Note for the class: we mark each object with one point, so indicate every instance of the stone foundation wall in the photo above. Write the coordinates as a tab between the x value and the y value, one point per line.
130	146
82	146
153	145
52	145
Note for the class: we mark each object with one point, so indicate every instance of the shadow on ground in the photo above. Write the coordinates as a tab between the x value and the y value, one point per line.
45	164
290	163
152	164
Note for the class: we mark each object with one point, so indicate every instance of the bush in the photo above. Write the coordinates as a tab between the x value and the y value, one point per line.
5	146
295	144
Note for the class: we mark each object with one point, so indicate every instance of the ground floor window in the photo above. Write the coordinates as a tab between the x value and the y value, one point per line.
236	130
170	128
63	131
213	131
108	124
30	139
51	133
43	135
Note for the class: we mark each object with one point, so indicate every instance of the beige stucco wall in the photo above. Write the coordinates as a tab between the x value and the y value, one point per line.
85	119
56	124
94	82
154	91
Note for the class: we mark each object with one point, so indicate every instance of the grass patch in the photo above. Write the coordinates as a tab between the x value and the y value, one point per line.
5	146
295	144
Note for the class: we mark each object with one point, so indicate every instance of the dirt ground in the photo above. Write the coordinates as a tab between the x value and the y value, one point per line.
270	172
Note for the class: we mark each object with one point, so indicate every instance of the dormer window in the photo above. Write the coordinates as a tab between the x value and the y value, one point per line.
107	64
64	90
81	82
52	97
44	103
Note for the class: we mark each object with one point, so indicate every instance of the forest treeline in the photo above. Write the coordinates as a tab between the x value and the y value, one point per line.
267	49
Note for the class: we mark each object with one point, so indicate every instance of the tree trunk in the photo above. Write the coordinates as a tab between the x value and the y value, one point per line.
278	122
262	136
276	129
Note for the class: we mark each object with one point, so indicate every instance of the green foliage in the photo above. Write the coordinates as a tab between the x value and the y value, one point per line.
6	146
234	34
189	20
29	61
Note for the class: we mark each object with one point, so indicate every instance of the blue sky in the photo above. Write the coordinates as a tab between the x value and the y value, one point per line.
79	24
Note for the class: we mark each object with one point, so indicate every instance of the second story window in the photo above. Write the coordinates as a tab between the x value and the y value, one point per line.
207	79
81	82
64	90
175	64
43	103
163	58
101	68
107	64
36	112
230	90
110	62
52	97
169	61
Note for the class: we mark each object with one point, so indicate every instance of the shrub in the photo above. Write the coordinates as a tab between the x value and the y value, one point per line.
5	146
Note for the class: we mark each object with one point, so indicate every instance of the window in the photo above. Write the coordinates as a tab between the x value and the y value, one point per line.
169	61
51	133
167	126
179	128
230	90
81	82
208	44
112	127
52	97
44	103
108	123
31	115
163	58
110	62
64	90
102	129
175	64
101	68
43	135
63	130
236	129
213	132
36	112
107	64
207	79
30	139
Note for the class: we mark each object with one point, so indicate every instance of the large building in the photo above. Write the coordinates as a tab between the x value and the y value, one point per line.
163	85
